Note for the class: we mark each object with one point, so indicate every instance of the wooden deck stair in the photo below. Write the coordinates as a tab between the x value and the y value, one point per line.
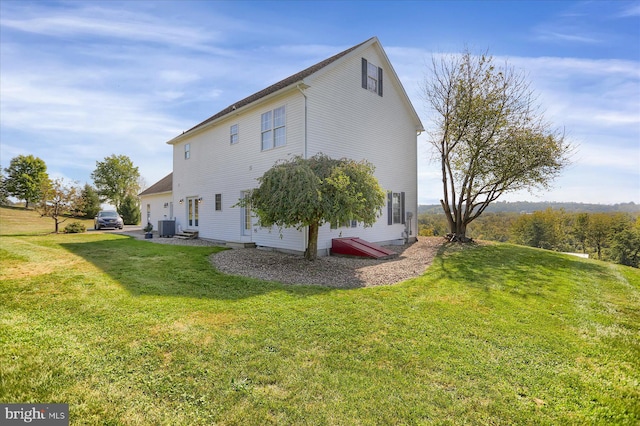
187	235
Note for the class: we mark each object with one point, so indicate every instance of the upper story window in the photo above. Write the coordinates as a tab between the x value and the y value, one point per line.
233	134
187	151
371	77
273	128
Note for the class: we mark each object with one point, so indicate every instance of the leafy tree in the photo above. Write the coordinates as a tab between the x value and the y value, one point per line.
539	229
26	175
624	240
581	229
488	136
58	201
430	224
492	226
89	201
625	247
130	210
310	192
115	178
598	231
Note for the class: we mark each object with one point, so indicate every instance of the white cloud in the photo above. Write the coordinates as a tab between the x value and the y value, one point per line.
630	10
110	23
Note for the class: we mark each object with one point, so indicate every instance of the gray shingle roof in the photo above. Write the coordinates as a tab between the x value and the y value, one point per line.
163	185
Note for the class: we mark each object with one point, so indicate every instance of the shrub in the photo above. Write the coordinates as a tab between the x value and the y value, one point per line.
130	210
75	228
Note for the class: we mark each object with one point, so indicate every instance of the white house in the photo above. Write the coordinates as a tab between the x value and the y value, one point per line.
351	105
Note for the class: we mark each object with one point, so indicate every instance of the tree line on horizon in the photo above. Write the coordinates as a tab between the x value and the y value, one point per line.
116	180
610	236
532	206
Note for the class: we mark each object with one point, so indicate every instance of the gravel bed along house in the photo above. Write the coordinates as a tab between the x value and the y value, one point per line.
332	271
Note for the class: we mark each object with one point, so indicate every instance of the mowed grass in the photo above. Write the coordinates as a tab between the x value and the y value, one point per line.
129	332
18	221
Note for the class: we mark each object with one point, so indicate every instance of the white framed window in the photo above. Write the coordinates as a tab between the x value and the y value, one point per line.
246	214
371	77
347	224
397	218
187	151
218	202
233	134
395	207
273	128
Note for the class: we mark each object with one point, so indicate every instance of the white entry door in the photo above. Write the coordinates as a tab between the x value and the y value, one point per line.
192	213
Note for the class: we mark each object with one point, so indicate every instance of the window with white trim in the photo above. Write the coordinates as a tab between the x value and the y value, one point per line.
233	134
246	214
395	207
273	128
218	202
371	77
187	151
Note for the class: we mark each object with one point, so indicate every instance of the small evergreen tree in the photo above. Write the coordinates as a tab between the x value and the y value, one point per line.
4	195
89	201
130	210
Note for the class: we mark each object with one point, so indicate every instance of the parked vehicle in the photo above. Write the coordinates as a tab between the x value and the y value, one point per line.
108	219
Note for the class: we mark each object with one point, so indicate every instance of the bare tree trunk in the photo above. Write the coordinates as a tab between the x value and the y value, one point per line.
457	229
311	253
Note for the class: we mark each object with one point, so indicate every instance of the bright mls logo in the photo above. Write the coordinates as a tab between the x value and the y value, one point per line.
37	414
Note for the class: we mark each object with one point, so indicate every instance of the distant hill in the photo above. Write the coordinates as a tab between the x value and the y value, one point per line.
529	206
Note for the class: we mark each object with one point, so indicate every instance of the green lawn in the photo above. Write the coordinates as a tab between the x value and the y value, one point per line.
130	332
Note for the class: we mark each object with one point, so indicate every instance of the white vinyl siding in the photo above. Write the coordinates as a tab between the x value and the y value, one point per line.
379	129
218	167
155	207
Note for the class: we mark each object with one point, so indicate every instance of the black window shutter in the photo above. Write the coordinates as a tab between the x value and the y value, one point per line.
364	73
390	208
380	81
402	207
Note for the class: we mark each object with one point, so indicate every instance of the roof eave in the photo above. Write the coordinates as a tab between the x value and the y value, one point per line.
142	194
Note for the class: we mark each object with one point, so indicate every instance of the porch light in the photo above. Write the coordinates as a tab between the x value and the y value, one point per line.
181	200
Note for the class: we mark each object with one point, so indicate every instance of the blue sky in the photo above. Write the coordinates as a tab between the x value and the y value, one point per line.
81	80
